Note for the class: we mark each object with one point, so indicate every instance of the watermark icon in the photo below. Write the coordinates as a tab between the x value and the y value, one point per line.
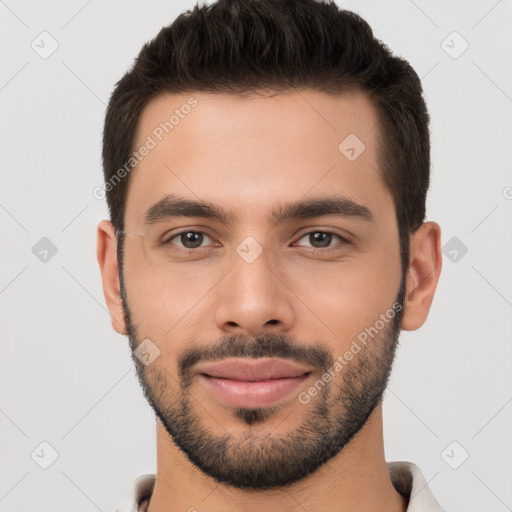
44	45
454	45
507	192
146	352
305	396
44	250
454	249
151	142
351	147
44	455
249	249
455	455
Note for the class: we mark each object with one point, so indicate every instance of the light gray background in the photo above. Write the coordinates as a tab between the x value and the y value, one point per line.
66	377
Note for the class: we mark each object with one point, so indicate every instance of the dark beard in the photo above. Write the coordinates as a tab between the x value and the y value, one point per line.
263	461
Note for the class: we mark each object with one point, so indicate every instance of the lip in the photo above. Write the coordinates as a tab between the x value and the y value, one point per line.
243	383
259	393
255	370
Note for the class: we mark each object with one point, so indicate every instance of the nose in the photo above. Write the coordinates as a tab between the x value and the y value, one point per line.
253	299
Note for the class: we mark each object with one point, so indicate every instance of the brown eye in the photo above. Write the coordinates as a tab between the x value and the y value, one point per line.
188	239
321	239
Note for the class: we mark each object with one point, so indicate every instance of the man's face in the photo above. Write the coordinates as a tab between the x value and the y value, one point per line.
307	286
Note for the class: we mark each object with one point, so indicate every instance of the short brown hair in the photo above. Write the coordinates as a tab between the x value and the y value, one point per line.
242	46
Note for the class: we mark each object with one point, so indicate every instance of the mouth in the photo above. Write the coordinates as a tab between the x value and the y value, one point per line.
244	369
256	393
260	383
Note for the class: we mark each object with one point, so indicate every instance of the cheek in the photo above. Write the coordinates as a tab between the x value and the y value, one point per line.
344	298
165	299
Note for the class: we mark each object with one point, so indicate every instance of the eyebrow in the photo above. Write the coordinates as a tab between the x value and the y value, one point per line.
175	206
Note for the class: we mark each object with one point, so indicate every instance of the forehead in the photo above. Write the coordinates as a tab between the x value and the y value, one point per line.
254	151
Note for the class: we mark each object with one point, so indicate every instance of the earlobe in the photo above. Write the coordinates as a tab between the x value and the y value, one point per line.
106	255
425	261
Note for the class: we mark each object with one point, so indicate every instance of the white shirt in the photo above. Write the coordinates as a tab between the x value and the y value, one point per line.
405	476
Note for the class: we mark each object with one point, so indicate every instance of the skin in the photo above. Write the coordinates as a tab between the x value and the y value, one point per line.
248	156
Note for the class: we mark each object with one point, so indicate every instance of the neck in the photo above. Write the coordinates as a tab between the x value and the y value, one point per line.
356	479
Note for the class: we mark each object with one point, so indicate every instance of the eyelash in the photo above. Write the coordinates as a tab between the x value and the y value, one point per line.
312	249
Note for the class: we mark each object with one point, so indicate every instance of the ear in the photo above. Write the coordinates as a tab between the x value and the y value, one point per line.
107	258
425	261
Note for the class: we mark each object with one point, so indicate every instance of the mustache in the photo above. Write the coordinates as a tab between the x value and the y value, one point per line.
264	345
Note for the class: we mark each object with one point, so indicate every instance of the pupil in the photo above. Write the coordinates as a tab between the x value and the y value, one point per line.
191	239
323	238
